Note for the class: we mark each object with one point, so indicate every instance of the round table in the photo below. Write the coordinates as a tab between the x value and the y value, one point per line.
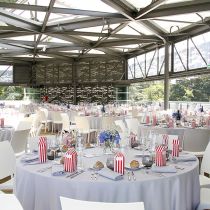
170	191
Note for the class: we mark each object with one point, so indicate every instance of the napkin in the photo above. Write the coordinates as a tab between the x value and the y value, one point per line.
57	170
105	172
163	169
30	159
185	158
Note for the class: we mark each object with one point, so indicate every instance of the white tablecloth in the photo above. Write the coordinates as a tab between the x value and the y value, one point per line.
174	191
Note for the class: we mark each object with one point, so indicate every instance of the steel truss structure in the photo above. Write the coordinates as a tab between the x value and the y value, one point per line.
73	31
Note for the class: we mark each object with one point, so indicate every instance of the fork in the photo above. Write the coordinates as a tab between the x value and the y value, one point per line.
129	177
134	178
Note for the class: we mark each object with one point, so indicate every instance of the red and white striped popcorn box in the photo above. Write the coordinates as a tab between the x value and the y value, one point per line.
154	120
70	160
147	119
160	157
165	140
119	163
175	150
2	122
42	149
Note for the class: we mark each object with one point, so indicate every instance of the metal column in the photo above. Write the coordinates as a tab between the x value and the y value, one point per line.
166	77
74	79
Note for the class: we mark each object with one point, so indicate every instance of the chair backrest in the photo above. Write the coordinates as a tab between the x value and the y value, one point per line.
134	112
205	166
19	141
121	124
56	116
82	123
107	122
23	125
132	125
89	205
7	160
196	140
9	202
65	121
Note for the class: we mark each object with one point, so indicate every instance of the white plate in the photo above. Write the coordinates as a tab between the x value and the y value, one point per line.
133	169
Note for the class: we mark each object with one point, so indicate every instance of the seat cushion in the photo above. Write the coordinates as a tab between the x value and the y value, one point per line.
204	181
8	185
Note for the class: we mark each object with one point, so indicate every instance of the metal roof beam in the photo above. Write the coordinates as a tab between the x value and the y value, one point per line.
59	10
19	21
81	23
83	33
149	8
121	7
177	9
47	15
122	42
131	15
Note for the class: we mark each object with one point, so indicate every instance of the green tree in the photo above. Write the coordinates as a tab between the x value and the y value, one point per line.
154	93
12	93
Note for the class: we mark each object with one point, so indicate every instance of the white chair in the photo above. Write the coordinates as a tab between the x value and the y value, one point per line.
205	168
7	166
83	126
9	202
107	122
65	122
56	120
43	118
121	124
196	141
132	125
123	131
204	199
90	205
23	125
19	141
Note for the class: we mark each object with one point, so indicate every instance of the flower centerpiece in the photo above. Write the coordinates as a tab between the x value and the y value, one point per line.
108	138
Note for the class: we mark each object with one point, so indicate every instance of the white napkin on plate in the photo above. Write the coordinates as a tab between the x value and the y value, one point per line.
105	172
185	158
163	169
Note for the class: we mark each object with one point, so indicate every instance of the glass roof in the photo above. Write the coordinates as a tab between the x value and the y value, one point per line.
68	23
94	5
139	4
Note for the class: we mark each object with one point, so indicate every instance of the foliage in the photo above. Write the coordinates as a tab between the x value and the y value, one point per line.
154	92
11	93
150	91
191	89
185	89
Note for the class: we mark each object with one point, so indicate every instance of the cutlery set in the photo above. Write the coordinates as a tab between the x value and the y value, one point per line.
74	174
131	176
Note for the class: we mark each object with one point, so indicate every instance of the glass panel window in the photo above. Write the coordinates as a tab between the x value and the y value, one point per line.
140	66
180	56
131	68
151	64
6	74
